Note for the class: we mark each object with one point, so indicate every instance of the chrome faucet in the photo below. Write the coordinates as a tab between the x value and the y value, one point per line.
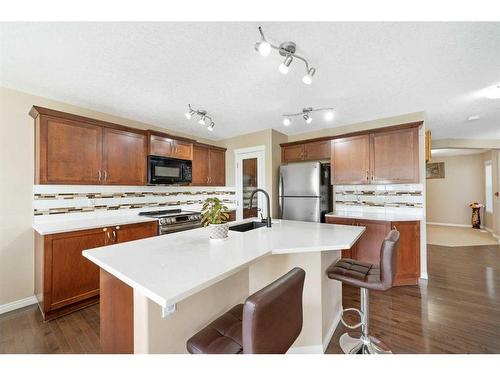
268	219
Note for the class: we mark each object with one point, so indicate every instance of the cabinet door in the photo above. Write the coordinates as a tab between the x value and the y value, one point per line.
161	146
70	152
217	167
394	156
292	153
408	270
132	232
351	160
318	150
347	253
183	150
124	157
370	242
200	166
73	277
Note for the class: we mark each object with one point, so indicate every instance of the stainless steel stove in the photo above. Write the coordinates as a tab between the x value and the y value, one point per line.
171	221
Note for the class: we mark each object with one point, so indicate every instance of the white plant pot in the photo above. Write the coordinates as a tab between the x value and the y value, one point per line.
218	231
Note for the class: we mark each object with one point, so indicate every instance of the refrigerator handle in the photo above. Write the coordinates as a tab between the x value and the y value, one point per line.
280	194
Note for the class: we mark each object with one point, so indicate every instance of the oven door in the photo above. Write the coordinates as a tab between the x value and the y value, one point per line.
163	170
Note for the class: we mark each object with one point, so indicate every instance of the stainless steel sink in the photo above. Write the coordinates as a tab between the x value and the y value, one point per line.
245	227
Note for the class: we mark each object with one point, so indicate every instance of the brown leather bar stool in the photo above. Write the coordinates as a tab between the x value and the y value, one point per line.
267	323
366	276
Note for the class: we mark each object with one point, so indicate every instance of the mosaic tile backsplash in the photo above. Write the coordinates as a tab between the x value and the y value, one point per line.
410	195
66	200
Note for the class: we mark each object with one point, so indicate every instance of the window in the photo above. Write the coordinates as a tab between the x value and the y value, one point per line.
488	182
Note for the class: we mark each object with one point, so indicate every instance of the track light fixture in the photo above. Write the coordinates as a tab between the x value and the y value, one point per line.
203	117
306	115
286	49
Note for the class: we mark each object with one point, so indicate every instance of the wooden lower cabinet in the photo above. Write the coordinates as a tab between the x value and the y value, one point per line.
65	281
232	216
367	248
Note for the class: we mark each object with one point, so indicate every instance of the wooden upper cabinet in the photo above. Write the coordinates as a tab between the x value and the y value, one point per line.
317	150
394	157
292	153
217	167
124	157
351	160
71	149
69	152
306	151
170	147
200	166
209	166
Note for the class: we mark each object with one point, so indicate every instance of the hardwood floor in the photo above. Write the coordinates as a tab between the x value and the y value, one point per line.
456	311
23	331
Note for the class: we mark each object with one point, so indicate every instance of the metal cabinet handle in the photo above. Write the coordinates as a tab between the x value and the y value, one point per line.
108	237
114	236
367	175
105	175
99	173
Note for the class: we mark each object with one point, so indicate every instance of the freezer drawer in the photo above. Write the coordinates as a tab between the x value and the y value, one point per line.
300	209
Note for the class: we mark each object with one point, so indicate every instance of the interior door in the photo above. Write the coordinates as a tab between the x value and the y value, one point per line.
300	209
300	180
249	175
74	152
124	157
250	183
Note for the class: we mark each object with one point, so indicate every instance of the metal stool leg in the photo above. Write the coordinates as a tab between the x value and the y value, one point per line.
363	343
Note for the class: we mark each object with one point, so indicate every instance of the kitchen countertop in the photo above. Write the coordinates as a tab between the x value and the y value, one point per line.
69	225
382	216
170	268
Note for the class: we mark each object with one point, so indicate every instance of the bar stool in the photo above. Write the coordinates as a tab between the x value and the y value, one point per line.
367	277
267	323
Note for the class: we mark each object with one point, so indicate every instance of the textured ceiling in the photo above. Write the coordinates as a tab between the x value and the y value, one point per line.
151	71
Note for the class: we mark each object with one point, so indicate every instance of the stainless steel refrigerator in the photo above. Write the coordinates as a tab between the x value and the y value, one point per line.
305	191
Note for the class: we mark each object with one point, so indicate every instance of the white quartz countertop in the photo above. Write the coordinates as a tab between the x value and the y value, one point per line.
382	216
172	267
69	225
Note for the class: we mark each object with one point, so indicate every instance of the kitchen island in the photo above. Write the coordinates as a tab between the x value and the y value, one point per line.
157	292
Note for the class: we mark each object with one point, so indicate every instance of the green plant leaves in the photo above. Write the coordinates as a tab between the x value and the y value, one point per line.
214	212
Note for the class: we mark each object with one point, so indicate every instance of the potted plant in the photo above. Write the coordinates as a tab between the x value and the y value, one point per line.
214	215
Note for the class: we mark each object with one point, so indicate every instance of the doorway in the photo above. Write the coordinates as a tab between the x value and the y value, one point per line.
249	164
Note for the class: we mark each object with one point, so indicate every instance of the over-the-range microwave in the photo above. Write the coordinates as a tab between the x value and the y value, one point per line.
162	170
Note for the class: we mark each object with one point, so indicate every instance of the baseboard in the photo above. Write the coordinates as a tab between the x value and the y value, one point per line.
450	225
331	330
17	304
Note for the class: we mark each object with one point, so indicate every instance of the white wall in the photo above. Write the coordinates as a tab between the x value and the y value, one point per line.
448	198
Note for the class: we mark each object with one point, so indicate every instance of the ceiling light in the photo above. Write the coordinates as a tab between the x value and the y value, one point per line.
286	49
203	117
263	47
306	115
492	92
329	116
308	78
284	66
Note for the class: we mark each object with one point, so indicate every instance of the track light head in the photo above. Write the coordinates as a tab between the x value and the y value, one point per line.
189	115
287	121
307	79
202	120
211	126
307	118
284	66
263	47
329	116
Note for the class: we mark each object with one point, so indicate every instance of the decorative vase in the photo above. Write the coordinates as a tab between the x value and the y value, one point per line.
476	218
218	231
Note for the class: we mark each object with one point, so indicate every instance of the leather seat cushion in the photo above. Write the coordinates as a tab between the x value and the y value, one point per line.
222	336
356	273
